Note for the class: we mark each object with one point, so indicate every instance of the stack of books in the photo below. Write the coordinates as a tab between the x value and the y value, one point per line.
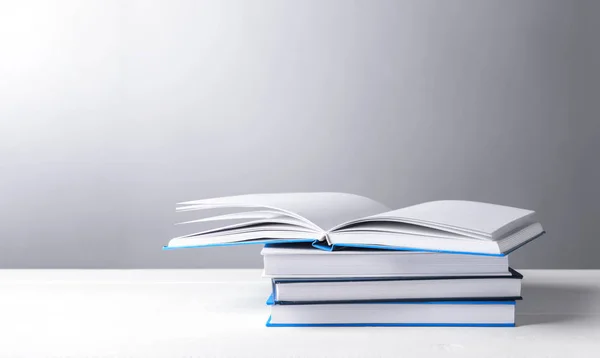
339	259
383	287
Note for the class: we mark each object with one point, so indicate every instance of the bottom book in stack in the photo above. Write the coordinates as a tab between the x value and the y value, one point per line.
355	287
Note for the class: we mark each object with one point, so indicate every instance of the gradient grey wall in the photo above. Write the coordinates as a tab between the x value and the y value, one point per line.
112	111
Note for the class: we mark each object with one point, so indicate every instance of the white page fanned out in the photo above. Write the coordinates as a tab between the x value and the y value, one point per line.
256	225
324	210
237	216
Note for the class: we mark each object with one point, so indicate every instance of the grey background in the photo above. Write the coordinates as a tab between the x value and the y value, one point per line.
113	111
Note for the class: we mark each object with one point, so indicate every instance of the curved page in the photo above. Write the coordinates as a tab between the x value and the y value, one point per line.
471	219
245	235
323	210
256	225
263	214
395	227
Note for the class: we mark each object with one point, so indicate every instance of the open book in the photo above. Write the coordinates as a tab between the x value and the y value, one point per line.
331	220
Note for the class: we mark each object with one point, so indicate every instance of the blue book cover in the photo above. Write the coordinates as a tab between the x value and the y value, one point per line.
321	245
269	324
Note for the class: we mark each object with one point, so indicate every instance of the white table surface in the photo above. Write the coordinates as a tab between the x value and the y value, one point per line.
221	313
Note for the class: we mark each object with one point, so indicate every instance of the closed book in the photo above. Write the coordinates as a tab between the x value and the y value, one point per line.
433	313
304	261
442	288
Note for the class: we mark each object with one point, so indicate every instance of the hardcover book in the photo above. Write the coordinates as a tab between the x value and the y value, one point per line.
393	289
432	313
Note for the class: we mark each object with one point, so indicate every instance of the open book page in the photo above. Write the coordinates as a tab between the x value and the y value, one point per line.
276	232
255	225
259	214
393	227
472	219
248	218
323	210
